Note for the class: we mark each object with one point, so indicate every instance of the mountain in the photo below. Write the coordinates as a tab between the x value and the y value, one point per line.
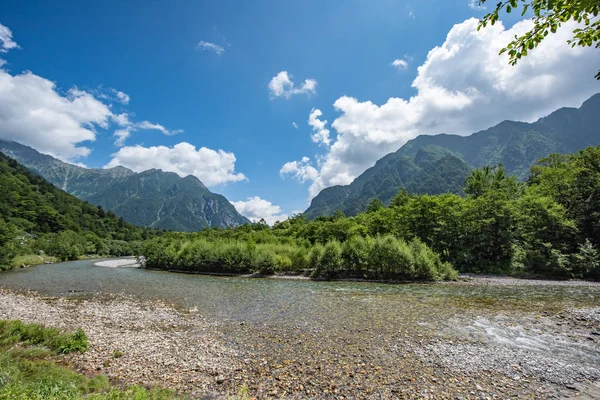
29	203
434	164
152	198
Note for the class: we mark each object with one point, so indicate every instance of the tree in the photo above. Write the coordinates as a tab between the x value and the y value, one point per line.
375	205
491	179
548	16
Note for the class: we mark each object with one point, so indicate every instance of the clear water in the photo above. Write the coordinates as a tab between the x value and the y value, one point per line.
321	326
295	301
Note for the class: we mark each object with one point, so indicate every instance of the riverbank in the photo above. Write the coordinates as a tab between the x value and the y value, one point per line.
462	279
434	348
155	344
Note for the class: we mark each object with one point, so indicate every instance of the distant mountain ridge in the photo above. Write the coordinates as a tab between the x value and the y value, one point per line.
152	198
434	164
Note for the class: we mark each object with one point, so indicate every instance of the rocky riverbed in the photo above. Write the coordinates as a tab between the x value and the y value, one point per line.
359	345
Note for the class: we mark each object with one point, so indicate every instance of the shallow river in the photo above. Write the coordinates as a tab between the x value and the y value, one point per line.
401	330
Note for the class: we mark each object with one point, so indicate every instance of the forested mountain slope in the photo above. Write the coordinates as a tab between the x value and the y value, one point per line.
151	198
433	164
32	209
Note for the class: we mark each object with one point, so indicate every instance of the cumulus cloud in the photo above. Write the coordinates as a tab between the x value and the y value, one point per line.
401	64
282	86
256	209
320	134
6	39
462	87
303	171
210	166
202	45
34	113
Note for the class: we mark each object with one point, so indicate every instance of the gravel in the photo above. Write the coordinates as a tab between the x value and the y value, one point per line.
159	345
119	263
437	350
495	280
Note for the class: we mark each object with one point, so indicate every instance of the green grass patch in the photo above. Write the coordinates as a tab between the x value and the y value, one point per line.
29	369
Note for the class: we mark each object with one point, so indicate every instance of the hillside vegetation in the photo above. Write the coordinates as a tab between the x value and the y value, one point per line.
38	218
548	226
436	164
153	198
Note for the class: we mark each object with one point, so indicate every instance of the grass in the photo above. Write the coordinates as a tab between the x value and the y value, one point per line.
31	259
29	369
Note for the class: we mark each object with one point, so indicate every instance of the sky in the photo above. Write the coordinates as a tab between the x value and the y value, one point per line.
267	102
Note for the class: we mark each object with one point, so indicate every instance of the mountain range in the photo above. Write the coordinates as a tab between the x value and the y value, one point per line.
434	164
152	198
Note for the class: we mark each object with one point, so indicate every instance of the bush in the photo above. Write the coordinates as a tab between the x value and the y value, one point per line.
355	253
391	257
300	259
314	259
385	256
587	261
330	261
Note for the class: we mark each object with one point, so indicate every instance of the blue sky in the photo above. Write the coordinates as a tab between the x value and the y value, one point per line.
219	97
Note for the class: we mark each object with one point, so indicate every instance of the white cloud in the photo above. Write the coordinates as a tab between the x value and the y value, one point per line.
210	166
462	87
121	119
474	4
295	125
282	85
320	133
303	171
399	63
158	127
6	39
121	97
256	208
210	46
121	135
34	113
127	127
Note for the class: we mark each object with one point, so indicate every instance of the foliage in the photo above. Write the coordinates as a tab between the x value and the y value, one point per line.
39	219
548	16
439	164
16	331
547	226
30	369
361	257
153	198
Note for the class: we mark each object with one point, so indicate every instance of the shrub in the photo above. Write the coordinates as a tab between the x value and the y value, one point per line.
300	259
391	257
331	259
355	253
587	261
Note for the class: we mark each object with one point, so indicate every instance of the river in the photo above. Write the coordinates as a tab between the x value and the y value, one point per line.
363	339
